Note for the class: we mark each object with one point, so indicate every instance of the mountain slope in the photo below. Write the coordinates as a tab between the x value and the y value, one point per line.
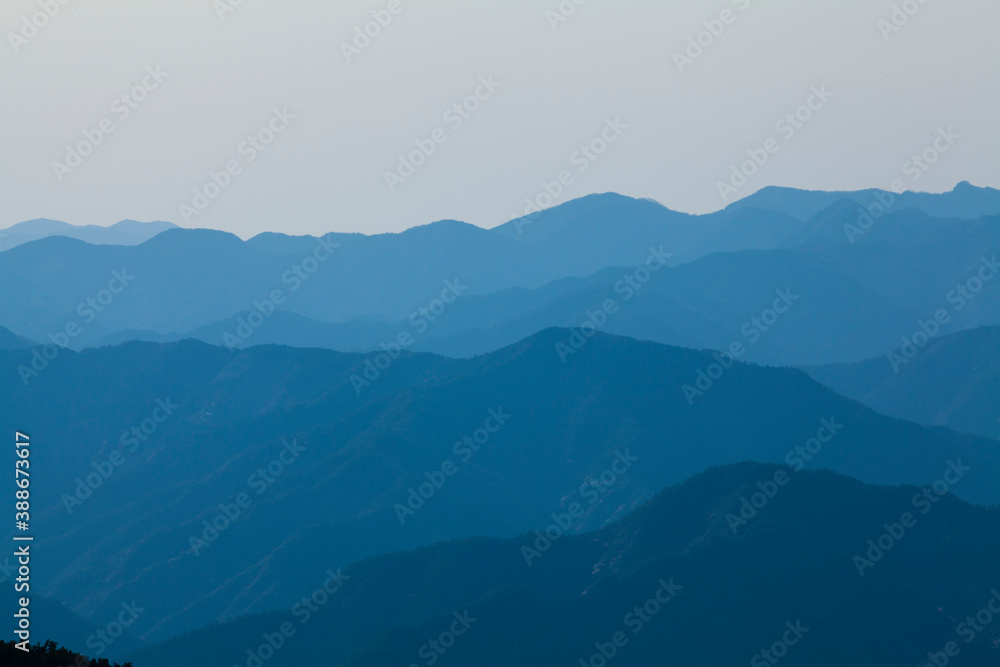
364	452
126	232
791	566
11	341
861	297
188	279
954	381
709	303
964	201
53	621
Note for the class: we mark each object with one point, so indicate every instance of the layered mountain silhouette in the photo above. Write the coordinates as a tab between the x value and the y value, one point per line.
865	284
719	596
363	450
954	381
11	341
964	201
712	302
457	445
126	232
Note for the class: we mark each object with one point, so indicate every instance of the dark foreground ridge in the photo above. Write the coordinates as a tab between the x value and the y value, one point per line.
194	426
48	655
737	564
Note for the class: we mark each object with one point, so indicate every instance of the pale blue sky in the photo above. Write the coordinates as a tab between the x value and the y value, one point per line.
612	58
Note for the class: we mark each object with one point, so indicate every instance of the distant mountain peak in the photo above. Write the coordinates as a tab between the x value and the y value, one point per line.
964	201
184	236
124	232
446	225
11	341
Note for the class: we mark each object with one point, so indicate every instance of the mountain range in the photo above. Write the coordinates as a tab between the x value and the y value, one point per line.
126	232
775	425
672	581
713	275
954	381
185	427
11	341
964	201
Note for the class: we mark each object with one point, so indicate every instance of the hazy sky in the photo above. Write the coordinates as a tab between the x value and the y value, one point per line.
559	88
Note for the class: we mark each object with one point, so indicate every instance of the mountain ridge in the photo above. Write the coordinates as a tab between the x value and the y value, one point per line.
951	382
188	279
679	544
124	232
368	444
